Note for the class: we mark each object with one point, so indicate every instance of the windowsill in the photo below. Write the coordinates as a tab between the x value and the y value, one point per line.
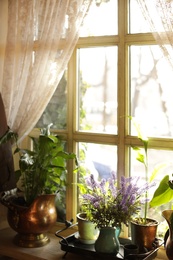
51	251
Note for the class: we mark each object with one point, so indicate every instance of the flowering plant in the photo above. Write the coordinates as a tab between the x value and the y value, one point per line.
108	205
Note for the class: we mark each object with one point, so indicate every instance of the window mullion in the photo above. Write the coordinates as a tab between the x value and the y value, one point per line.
71	195
122	85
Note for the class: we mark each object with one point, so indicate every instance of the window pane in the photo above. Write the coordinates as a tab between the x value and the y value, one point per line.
151	90
56	110
97	86
137	22
92	159
101	19
155	158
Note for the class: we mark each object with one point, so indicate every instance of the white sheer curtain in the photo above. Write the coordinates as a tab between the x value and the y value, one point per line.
37	38
159	14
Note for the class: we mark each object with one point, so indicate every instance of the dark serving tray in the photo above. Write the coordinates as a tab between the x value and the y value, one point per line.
73	245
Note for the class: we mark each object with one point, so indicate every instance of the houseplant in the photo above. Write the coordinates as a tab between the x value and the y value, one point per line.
110	206
143	229
163	195
43	170
42	176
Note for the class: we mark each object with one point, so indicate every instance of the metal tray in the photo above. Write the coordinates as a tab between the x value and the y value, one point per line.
73	245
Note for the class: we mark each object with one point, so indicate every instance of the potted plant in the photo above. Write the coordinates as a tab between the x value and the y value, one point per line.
41	178
163	195
143	229
109	206
88	232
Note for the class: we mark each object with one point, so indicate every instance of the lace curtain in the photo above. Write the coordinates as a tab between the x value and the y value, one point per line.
36	41
159	14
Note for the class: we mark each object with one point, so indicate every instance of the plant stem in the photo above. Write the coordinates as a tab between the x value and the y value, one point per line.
146	179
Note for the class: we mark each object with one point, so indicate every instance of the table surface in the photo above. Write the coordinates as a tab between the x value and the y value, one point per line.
51	251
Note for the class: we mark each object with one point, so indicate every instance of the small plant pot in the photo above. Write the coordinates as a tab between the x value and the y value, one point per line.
88	233
144	235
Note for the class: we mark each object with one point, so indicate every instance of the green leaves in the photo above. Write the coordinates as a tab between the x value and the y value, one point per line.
140	156
45	168
140	134
163	193
157	170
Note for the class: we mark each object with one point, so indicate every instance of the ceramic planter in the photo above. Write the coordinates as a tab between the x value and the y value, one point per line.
107	242
88	233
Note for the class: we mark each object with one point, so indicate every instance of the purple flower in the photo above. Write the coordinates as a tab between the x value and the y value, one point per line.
110	205
89	197
102	186
91	182
112	187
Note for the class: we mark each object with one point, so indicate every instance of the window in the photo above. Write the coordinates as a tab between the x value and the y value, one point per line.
116	70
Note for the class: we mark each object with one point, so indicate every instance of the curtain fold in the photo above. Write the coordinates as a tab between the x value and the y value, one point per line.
159	14
38	38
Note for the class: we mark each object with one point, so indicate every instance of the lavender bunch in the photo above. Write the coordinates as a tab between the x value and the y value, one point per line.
108	205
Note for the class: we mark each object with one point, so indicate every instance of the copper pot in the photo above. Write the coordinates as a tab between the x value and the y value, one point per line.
144	235
31	223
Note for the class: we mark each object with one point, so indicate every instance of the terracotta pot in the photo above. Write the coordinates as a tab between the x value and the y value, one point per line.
88	233
31	223
144	235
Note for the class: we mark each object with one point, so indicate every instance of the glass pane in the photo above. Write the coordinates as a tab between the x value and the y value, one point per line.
137	22
155	159
92	159
56	110
97	86
151	90
101	19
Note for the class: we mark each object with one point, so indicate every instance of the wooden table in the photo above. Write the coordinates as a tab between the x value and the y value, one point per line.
51	251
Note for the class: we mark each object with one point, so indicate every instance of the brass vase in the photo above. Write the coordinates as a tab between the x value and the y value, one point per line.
168	215
33	222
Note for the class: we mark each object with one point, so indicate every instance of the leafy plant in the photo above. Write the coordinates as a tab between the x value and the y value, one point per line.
43	170
163	194
142	157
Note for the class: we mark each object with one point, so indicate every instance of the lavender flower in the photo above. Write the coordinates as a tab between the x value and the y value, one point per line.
106	204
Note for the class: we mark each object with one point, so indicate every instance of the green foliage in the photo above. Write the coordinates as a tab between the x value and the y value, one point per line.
44	169
163	194
142	157
56	111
